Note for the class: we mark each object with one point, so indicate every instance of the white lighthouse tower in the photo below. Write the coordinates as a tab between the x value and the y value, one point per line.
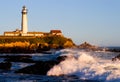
24	26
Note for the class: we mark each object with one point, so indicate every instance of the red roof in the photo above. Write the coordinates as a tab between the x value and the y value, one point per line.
55	31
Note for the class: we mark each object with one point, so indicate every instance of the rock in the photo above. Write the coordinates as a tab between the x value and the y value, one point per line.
15	56
114	50
86	45
42	48
42	67
24	60
5	65
116	57
18	58
61	58
15	50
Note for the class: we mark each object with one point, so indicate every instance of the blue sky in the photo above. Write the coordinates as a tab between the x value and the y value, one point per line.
94	21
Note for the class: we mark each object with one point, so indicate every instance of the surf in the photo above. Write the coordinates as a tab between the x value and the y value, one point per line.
88	65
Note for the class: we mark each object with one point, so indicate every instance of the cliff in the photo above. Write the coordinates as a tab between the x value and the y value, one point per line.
33	44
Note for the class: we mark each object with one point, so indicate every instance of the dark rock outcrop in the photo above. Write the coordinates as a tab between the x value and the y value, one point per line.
15	50
42	67
114	50
5	65
18	58
15	56
116	58
86	45
24	60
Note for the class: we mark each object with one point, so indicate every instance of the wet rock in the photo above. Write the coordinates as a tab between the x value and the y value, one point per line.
114	50
15	56
18	58
116	58
24	60
5	65
42	67
61	58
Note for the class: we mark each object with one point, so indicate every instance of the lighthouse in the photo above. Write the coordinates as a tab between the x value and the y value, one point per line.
24	27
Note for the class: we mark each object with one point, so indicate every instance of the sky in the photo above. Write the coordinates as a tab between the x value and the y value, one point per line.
93	21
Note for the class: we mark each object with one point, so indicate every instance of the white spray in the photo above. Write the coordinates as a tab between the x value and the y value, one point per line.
88	65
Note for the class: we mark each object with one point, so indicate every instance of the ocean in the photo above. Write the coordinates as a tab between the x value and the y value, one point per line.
79	66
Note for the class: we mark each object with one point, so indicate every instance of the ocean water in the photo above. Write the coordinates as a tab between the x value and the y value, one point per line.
79	66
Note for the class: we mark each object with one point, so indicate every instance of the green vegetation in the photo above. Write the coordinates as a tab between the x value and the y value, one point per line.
22	43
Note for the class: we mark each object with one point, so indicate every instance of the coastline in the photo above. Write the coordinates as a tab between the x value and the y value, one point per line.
34	44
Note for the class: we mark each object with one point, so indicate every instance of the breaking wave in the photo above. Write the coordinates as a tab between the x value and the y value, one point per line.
88	65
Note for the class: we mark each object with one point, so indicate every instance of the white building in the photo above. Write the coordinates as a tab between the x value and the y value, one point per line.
24	28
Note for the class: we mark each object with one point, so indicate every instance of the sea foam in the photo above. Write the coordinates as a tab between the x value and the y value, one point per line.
88	65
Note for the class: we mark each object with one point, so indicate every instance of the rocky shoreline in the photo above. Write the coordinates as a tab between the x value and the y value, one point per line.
39	67
25	44
34	67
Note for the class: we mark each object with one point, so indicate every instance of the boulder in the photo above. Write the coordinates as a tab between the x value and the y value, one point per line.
18	58
5	65
15	56
42	67
116	58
